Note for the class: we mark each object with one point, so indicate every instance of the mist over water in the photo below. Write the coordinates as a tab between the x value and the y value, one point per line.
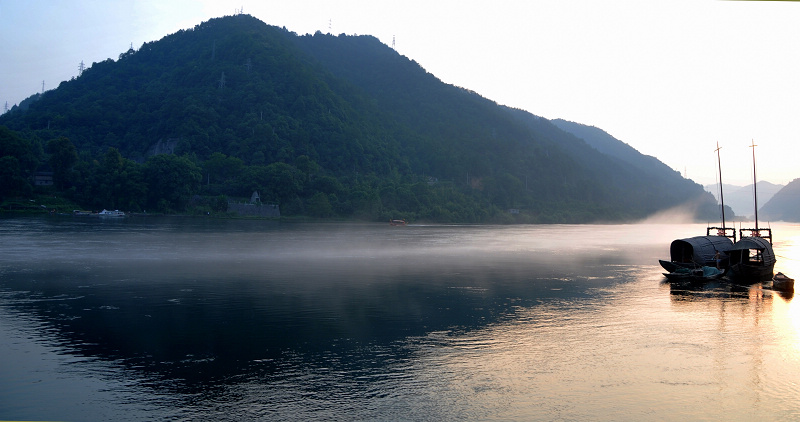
153	318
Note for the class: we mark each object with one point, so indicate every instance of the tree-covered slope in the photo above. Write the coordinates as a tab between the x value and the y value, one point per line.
232	85
656	182
613	147
553	164
323	125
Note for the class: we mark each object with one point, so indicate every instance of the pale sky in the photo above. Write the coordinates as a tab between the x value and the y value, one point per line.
671	78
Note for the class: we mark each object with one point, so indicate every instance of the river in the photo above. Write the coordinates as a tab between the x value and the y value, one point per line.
153	318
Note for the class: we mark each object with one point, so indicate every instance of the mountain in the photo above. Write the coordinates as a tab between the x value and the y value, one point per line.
740	198
657	175
608	145
323	125
784	205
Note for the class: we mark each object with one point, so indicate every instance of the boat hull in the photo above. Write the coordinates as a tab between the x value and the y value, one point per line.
749	272
673	266
752	260
782	283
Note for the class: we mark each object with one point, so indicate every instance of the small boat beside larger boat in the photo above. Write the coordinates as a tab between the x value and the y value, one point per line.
704	273
782	283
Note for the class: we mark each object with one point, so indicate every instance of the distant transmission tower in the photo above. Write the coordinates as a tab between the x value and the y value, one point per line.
329	26
5	108
81	68
393	43
42	86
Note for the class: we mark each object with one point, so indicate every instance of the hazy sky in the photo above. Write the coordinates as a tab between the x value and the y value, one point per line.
670	77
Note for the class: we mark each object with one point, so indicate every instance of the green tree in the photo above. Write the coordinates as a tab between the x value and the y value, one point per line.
306	165
171	181
11	181
326	184
284	181
319	205
120	182
505	190
63	157
221	168
219	203
17	162
13	145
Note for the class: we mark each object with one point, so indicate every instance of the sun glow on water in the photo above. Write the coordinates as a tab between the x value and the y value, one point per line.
786	312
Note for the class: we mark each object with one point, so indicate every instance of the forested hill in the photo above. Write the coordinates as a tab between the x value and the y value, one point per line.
323	125
658	176
784	205
608	145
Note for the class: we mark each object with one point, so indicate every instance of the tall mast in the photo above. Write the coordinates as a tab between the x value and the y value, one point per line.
755	190
721	199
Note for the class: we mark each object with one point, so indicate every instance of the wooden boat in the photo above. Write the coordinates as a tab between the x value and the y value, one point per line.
782	283
752	258
698	251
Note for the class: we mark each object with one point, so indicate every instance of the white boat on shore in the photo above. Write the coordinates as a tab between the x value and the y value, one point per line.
107	213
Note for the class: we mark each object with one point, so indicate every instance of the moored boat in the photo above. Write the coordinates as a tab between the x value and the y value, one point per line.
107	213
698	251
397	222
782	283
701	251
752	257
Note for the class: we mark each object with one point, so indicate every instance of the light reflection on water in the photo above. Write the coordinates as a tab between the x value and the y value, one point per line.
204	319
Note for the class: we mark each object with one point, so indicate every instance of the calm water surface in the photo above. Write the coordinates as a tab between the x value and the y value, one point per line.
158	318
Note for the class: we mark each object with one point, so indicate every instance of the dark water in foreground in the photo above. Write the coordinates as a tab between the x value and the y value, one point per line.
152	319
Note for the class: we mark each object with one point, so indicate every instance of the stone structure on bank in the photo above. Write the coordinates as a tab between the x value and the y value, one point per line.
254	208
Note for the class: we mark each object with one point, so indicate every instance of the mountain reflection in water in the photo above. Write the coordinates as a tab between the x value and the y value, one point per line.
152	318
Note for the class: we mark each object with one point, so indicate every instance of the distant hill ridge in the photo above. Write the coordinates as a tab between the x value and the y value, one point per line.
740	198
347	125
784	205
607	144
